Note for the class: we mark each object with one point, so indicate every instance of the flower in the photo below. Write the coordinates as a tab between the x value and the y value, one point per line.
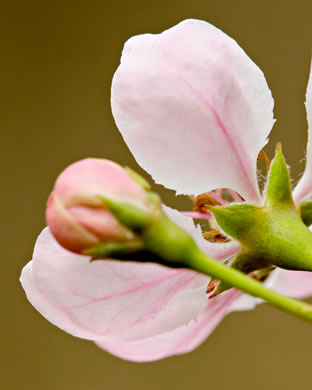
195	111
75	212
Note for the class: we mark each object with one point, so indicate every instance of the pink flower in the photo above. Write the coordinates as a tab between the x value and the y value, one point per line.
195	111
75	212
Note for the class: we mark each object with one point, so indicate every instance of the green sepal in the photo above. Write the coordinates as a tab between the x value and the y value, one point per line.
160	241
138	178
305	210
236	219
283	240
279	191
131	251
127	214
114	249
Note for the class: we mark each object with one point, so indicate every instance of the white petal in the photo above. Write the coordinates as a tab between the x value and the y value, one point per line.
193	109
303	189
140	312
178	341
108	298
296	284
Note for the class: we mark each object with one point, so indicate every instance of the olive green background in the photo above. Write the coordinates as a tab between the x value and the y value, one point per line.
57	62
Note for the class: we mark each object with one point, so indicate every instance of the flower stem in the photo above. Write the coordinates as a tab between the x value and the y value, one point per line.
208	266
166	243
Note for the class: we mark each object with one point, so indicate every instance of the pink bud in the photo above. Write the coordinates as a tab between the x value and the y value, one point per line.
75	212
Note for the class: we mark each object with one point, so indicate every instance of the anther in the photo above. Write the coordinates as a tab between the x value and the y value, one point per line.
212	285
216	236
206	199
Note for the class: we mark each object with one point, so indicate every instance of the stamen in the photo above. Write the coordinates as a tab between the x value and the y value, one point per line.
211	285
235	196
207	199
217	198
216	236
212	233
265	156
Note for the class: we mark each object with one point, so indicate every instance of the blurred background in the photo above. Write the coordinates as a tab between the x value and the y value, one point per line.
57	62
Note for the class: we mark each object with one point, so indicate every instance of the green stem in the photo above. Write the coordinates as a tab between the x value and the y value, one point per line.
177	249
208	266
167	244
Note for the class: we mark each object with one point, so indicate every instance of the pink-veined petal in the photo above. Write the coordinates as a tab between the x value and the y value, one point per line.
303	189
181	340
193	109
93	300
108	298
124	304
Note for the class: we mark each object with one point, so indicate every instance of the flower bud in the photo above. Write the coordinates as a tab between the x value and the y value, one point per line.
76	213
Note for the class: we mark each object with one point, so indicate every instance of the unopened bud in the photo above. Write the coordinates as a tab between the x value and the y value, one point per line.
77	213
